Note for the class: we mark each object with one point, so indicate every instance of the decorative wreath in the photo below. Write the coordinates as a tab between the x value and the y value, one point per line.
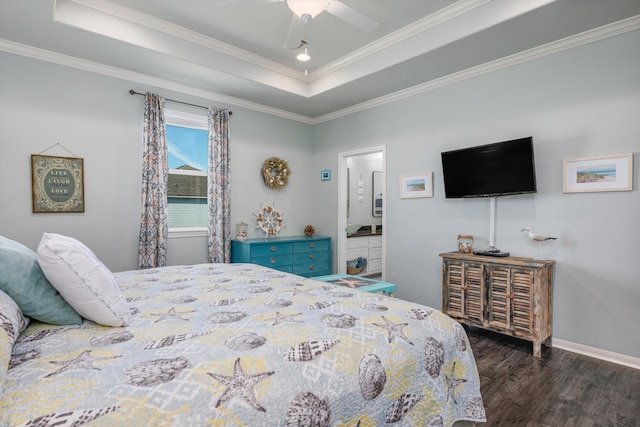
269	220
275	172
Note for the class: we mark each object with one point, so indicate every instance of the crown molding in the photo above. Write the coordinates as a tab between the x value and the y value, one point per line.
174	30
441	16
610	30
144	79
591	36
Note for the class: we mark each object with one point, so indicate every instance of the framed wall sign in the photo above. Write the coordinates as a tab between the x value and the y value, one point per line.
601	173
416	185
325	175
57	184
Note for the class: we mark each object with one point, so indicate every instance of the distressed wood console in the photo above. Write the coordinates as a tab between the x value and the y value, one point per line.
509	295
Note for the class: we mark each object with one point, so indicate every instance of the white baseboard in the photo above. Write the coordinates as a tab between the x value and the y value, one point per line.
609	356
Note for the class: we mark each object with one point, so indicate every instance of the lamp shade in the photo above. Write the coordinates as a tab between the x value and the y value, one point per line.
307	9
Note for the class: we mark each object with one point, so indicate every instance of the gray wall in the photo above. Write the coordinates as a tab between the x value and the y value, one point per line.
580	102
94	117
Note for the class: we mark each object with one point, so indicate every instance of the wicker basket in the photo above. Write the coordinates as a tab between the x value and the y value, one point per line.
354	270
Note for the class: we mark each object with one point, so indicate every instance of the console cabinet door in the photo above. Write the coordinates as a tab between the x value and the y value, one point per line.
510	299
522	289
499	298
464	291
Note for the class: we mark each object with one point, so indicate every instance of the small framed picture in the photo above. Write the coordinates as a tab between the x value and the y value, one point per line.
416	185
57	184
325	175
600	173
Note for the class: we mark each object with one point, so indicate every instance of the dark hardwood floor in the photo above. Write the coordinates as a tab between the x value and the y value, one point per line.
561	389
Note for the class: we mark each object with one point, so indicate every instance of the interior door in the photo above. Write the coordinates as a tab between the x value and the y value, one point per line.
344	202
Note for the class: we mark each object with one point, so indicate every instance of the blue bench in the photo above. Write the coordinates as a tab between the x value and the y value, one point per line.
359	283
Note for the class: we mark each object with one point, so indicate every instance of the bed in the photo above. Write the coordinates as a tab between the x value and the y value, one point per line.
236	345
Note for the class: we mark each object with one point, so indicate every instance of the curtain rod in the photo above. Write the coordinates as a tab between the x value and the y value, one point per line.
133	92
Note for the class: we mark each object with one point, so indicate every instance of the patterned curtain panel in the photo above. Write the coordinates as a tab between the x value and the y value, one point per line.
219	191
152	248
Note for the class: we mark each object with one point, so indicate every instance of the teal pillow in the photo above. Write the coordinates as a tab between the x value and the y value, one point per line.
22	279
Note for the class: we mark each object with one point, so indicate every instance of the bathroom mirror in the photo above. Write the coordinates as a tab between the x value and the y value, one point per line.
376	196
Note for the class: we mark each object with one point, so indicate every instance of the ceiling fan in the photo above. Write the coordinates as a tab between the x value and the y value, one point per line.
305	10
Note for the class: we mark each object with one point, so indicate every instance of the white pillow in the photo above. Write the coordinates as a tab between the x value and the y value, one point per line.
82	280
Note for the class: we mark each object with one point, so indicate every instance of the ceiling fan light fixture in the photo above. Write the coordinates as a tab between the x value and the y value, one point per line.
303	56
307	9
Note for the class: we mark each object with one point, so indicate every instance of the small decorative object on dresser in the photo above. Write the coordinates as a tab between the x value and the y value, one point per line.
538	238
241	230
465	243
269	221
509	295
309	231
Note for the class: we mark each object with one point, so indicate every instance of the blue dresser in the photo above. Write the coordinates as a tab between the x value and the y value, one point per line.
304	256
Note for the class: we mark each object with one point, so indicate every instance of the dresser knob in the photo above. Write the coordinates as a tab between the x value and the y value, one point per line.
312	245
272	260
312	267
273	249
312	256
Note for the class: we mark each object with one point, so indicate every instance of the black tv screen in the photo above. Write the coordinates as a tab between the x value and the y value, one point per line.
497	169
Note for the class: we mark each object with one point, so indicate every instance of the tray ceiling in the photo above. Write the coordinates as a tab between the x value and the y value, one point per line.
233	50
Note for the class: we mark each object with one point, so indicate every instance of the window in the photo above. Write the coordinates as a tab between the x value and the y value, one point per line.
187	152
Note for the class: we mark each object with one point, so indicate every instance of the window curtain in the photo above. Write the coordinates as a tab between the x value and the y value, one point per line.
219	191
152	247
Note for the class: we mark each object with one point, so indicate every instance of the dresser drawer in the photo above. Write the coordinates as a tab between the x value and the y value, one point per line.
312	268
375	253
357	242
374	266
319	246
302	257
357	253
375	242
274	260
275	248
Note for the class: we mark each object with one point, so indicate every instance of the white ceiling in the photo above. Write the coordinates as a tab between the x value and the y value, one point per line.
232	50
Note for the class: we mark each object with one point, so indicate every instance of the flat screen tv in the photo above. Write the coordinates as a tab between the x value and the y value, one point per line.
498	169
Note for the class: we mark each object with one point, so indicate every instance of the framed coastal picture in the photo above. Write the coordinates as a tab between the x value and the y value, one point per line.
416	185
57	184
599	173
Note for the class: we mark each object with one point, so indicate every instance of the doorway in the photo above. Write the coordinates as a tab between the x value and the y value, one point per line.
372	201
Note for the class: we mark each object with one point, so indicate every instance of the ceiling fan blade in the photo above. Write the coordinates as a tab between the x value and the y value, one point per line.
352	16
296	33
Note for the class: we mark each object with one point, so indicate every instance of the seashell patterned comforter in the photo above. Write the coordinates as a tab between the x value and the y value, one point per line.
245	345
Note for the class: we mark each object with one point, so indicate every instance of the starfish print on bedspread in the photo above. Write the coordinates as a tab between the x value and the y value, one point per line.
394	329
240	385
171	314
83	361
285	318
453	382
